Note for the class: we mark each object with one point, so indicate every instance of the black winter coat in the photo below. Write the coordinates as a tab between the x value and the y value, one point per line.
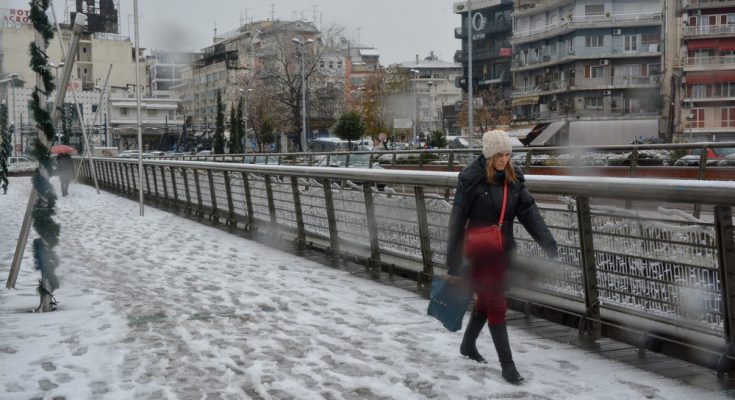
476	203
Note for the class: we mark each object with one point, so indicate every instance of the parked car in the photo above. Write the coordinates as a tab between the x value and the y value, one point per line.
21	164
128	154
728	161
714	156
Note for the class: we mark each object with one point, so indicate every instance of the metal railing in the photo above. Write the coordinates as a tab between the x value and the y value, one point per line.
708	30
651	267
643	160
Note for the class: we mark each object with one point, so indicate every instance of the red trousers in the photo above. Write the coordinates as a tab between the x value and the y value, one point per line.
488	279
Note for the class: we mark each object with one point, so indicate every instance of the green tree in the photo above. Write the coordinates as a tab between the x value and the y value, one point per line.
240	123
350	126
234	142
265	132
218	147
437	140
65	126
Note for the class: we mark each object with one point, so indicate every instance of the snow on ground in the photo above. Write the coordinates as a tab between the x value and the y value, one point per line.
161	307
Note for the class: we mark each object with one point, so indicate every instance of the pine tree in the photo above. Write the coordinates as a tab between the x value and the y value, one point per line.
218	146
44	209
234	142
65	126
4	147
241	124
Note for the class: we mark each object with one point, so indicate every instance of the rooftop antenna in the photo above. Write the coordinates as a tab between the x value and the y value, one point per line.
244	19
313	18
273	11
294	13
215	31
358	35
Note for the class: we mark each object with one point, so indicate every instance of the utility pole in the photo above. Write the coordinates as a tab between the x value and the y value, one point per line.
471	101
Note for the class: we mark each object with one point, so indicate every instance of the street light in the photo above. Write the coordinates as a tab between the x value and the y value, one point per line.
11	78
56	70
430	84
302	43
245	118
415	72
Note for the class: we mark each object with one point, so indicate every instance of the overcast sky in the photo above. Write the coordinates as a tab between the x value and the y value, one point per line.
400	29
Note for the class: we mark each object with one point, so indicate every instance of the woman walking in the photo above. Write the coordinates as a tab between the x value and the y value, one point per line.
490	194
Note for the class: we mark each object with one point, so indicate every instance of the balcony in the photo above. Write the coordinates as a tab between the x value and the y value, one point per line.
708	63
535	7
691	4
544	88
586	22
546	60
709	30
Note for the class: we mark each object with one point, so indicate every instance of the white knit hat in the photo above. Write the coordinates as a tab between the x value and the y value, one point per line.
494	142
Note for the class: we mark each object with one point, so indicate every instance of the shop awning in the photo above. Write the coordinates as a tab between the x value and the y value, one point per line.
710	77
524	101
520	133
701	44
548	133
727	44
602	133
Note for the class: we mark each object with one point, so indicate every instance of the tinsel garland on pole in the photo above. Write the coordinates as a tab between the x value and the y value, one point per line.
4	148
44	209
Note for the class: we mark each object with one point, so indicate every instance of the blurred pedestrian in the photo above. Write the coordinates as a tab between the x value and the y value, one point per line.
490	194
65	170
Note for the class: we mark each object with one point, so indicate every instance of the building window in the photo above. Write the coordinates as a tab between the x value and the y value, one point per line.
650	38
594	41
728	117
151	113
631	43
94	108
123	111
592	72
727	89
697	118
594	9
593	103
699	91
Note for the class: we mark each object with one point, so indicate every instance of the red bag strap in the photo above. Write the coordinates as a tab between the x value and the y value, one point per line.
505	197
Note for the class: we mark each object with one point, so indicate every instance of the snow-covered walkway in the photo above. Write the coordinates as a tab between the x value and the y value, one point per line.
161	307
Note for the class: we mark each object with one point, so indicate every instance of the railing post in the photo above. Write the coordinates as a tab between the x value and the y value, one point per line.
133	168
450	167
421	159
155	182
726	261
527	165
331	217
248	201
271	202
231	220
163	183
118	177
214	215
147	181
589	271
301	234
173	186
631	172
199	212
424	236
374	262
700	175
128	187
185	176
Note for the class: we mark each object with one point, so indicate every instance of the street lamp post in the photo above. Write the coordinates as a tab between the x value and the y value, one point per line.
415	72
12	78
302	43
471	102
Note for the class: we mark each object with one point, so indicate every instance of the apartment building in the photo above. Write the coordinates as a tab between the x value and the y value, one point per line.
434	86
708	67
590	71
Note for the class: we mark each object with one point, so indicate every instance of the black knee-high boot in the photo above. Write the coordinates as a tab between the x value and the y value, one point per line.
468	347
502	346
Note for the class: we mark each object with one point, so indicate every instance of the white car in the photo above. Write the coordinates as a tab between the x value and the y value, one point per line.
21	164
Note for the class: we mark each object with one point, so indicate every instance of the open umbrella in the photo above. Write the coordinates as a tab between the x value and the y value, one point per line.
62	149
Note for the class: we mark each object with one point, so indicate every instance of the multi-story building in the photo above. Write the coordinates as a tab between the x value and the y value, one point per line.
708	64
164	71
491	30
595	65
160	118
434	86
230	63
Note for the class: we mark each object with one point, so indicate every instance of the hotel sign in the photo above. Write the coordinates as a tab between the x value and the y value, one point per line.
15	18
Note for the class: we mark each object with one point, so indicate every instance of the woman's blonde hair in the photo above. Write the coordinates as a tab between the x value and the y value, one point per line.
510	172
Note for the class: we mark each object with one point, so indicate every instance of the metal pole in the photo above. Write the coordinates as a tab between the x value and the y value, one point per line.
137	101
245	123
470	102
415	122
303	98
15	126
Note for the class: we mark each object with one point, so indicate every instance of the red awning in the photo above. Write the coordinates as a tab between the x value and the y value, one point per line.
727	44
701	44
711	77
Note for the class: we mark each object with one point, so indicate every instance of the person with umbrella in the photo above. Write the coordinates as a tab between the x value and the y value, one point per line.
64	165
